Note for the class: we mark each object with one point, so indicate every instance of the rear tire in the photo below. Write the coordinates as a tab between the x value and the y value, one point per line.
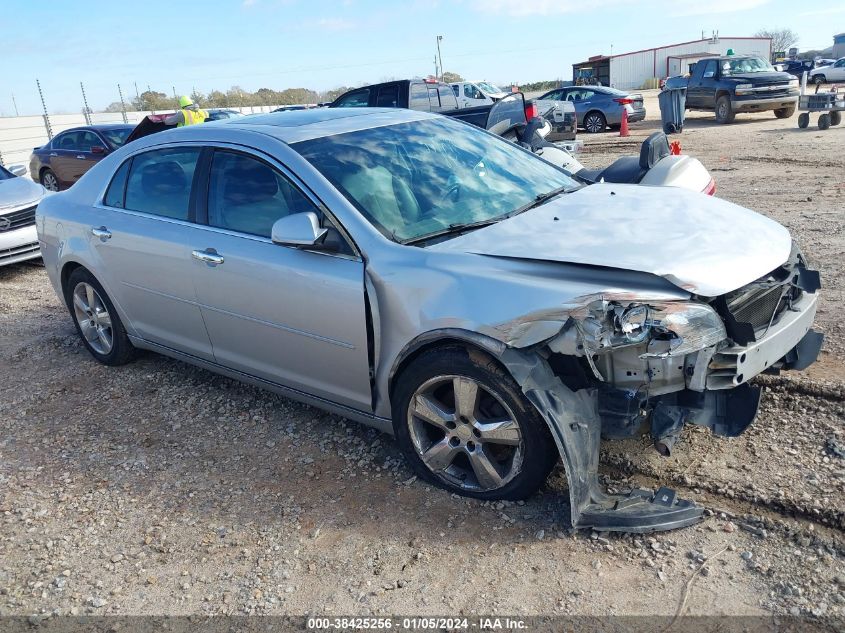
824	121
835	118
594	122
49	180
724	111
96	320
803	120
785	113
495	445
819	79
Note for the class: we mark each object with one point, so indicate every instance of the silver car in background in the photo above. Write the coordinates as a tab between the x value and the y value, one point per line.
18	198
597	107
435	281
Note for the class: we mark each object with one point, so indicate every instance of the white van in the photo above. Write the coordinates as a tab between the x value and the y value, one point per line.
476	93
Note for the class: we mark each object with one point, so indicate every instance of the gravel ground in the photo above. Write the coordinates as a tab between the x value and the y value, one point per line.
157	488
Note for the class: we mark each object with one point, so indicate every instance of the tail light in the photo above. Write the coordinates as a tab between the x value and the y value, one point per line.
710	189
531	111
624	101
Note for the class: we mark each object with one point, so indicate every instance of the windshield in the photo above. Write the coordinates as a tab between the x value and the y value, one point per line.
487	88
420	178
745	65
116	136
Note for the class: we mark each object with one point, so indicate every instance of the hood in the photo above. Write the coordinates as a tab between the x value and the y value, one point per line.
17	192
702	244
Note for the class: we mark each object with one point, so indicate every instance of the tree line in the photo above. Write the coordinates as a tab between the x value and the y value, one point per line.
234	97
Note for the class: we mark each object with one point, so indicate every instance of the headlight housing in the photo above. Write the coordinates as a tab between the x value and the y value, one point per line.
744	89
793	83
661	329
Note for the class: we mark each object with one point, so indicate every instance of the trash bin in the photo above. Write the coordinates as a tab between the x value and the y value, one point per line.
673	102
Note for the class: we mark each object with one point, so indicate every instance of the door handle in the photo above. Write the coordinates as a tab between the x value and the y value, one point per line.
81	156
209	256
103	233
53	154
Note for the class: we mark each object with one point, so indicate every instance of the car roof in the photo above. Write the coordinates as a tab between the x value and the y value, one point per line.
298	125
100	126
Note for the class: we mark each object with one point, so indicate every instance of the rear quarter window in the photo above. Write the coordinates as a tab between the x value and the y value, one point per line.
117	188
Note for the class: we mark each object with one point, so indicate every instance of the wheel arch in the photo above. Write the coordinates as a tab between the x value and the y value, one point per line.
722	93
438	339
593	111
67	270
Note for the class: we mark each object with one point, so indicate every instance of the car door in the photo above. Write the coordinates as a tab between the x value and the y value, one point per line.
63	159
290	316
581	99
837	71
85	158
700	87
140	233
474	97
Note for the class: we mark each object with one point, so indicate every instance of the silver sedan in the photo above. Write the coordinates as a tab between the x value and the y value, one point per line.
430	279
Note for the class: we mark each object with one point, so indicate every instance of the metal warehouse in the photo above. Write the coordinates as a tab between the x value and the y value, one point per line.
643	69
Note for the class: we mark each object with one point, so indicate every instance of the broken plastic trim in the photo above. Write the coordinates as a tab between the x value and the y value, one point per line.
575	424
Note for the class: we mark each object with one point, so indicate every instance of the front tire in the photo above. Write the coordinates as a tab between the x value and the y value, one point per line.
835	117
595	122
819	80
803	120
785	113
464	425
96	320
724	111
49	180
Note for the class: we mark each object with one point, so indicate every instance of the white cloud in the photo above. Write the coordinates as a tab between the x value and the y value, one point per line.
827	11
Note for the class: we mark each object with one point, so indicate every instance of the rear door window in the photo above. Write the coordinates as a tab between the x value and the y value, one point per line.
388	96
87	140
357	99
160	182
69	141
248	195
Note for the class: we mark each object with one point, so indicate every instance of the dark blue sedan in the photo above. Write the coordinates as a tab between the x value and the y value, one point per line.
62	161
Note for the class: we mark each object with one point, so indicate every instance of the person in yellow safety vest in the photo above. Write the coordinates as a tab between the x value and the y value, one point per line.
188	114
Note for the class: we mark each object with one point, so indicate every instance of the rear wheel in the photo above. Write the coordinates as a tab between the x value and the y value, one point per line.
785	113
835	118
595	122
819	80
724	111
803	120
96	320
49	180
465	425
824	121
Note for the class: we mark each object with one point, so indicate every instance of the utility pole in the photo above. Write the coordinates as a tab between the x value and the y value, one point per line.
439	58
44	107
87	110
435	67
174	93
122	104
15	103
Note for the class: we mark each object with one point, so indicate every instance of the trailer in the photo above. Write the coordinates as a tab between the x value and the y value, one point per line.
830	104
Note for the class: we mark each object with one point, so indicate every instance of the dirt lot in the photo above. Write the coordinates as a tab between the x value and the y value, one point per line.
157	488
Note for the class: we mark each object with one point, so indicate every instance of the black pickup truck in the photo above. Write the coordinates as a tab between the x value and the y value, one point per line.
734	84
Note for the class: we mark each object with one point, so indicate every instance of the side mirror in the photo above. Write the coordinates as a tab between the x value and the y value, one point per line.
300	230
98	149
709	74
18	170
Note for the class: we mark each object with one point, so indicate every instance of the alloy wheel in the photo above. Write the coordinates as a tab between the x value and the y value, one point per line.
594	124
93	318
465	434
50	181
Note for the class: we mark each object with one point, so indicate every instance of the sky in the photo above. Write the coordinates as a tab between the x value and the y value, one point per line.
323	44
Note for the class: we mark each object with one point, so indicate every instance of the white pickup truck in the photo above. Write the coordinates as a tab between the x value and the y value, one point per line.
476	93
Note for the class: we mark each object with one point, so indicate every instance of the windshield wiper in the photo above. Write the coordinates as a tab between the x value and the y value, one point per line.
541	199
461	227
458	227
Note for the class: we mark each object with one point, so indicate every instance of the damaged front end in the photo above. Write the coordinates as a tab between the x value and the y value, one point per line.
615	367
